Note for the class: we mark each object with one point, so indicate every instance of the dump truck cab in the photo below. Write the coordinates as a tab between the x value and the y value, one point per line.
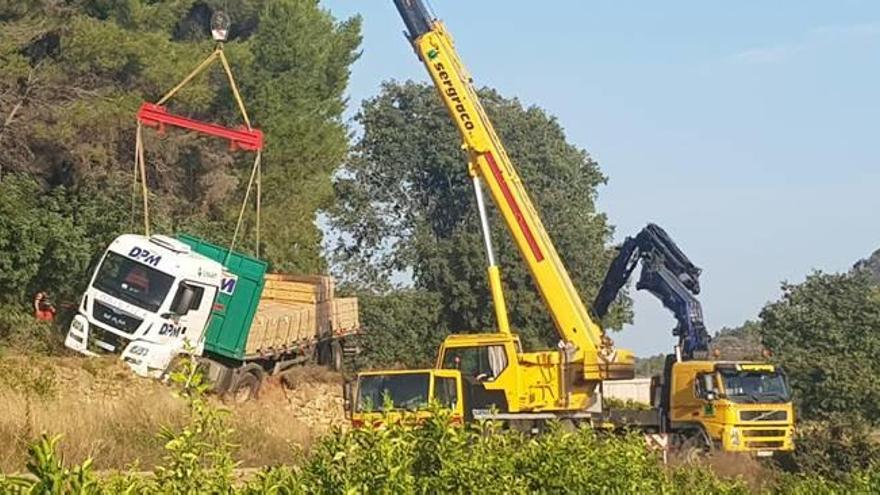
735	406
376	397
149	298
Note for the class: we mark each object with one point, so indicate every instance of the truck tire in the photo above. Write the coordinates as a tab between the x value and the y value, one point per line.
336	356
324	354
246	385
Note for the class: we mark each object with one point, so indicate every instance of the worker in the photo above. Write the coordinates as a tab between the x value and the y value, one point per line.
43	308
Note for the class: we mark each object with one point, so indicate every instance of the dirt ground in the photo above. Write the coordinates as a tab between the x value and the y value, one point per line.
105	412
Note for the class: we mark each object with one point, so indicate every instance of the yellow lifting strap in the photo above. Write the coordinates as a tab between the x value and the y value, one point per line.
256	171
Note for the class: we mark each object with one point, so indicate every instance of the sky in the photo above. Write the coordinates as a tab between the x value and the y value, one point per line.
748	130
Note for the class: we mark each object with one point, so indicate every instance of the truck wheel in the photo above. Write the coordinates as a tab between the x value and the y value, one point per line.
693	446
324	354
336	356
246	388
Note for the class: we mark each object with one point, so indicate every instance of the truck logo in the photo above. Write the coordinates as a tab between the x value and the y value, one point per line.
145	256
227	285
171	330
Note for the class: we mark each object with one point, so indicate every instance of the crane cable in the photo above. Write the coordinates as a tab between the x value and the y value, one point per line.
256	170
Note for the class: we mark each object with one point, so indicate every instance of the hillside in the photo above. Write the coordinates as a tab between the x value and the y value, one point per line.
736	344
107	413
871	264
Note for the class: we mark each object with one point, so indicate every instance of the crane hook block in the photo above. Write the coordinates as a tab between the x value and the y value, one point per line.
157	116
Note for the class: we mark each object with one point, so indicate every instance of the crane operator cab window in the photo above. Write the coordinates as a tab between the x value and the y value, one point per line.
480	364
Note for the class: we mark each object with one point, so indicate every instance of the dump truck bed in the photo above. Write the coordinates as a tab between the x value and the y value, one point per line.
297	312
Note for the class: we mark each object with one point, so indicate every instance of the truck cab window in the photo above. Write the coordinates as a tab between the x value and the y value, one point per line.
133	282
445	392
198	292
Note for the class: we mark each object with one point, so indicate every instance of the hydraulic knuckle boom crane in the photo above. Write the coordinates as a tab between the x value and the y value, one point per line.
668	274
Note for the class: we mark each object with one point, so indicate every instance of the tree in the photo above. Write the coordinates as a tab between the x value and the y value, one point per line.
301	66
406	209
824	332
401	329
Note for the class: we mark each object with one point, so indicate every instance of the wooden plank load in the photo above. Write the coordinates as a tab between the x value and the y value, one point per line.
344	315
306	289
296	312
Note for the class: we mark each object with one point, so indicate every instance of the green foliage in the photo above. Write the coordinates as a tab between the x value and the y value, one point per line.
823	332
833	448
438	457
402	328
52	476
20	333
198	457
406	206
49	240
300	71
401	457
650	366
614	403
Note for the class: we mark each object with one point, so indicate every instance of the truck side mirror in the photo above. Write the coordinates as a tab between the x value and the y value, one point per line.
184	299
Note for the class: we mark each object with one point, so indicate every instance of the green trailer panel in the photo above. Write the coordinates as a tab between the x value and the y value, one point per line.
237	300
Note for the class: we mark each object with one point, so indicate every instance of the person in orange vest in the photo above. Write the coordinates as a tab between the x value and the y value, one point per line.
43	308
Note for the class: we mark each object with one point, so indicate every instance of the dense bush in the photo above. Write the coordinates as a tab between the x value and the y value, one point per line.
21	333
824	333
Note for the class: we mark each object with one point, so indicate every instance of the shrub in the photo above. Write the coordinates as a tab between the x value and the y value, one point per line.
833	448
22	334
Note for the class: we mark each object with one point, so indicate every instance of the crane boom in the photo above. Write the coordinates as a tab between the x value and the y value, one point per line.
668	274
489	162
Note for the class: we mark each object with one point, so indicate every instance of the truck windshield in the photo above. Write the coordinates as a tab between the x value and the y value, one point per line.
133	282
407	391
755	386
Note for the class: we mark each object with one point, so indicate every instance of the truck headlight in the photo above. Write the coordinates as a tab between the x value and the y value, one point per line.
76	325
735	437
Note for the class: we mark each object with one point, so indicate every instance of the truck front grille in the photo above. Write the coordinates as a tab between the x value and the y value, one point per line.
764	433
116	319
110	339
763	415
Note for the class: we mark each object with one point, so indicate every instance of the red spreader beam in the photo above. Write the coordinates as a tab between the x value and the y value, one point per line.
156	116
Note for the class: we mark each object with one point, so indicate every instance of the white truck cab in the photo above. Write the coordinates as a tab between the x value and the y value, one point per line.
149	300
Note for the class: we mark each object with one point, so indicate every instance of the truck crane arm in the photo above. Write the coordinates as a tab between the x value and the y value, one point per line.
668	274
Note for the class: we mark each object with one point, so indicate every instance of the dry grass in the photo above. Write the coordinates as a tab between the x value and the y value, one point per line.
104	412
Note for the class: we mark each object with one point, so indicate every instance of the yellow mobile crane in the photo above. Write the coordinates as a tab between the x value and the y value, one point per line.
544	384
736	406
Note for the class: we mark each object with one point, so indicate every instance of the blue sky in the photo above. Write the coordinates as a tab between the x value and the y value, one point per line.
749	130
